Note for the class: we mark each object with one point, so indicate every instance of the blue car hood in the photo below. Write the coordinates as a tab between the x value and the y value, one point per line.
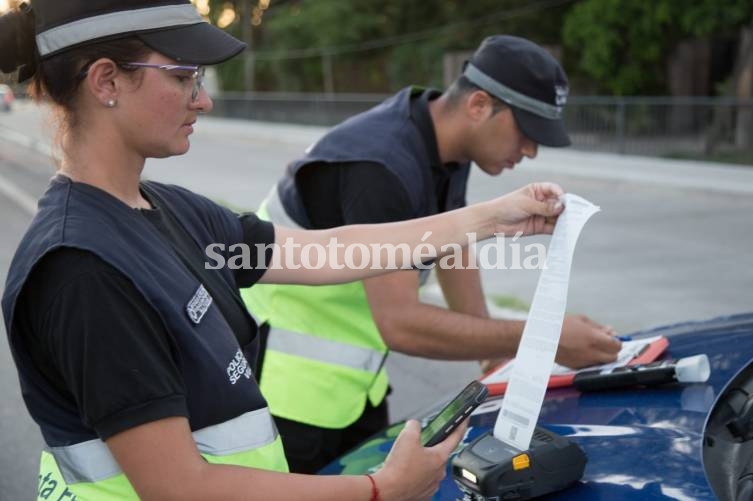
641	443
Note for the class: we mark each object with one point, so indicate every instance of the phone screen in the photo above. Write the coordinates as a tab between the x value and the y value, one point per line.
467	400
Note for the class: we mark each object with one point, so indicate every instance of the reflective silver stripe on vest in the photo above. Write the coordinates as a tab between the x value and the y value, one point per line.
510	96
246	432
92	461
325	350
114	23
276	211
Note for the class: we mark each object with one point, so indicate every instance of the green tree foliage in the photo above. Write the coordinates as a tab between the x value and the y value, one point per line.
346	28
379	46
624	44
611	46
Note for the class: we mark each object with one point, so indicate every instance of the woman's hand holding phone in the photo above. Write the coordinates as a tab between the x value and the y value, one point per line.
419	457
412	471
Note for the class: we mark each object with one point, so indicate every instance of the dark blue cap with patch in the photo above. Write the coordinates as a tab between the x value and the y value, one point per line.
528	79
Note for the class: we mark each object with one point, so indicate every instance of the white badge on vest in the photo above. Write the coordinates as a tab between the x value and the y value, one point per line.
199	304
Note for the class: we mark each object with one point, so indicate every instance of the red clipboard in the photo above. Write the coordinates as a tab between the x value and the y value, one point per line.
649	353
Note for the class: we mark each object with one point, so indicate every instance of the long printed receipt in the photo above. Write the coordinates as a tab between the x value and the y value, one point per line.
533	363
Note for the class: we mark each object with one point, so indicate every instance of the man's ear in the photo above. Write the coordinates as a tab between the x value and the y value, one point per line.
478	106
101	79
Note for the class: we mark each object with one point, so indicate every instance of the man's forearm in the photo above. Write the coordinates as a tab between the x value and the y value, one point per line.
433	332
462	287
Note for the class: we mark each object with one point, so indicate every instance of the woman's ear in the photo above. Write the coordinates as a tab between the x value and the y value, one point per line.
101	79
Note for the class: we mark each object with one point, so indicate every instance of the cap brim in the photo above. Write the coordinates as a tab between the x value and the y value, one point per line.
199	43
542	130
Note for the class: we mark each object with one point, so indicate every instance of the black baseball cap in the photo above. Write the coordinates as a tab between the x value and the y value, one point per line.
171	27
528	79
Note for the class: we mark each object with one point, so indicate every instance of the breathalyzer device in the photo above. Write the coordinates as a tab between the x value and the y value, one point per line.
684	370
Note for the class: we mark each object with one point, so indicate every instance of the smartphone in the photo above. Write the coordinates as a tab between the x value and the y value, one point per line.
453	414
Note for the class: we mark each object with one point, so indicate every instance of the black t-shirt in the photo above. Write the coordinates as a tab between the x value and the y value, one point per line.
102	346
336	194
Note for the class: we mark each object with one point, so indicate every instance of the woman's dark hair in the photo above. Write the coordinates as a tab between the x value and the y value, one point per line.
461	87
57	77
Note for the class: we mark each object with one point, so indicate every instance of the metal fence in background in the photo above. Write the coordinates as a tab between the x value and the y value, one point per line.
297	108
692	127
661	126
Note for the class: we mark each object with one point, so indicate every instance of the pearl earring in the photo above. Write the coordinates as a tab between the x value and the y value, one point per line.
110	103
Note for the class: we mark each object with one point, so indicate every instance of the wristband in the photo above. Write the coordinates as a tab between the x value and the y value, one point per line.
374	489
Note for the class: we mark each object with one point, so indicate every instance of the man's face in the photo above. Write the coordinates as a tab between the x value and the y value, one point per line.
497	143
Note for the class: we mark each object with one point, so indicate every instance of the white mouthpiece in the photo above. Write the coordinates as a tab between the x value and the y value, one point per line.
693	369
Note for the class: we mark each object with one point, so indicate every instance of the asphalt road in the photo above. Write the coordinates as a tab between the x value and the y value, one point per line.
672	243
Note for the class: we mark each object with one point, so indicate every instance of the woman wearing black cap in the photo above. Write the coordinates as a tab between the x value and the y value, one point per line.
135	355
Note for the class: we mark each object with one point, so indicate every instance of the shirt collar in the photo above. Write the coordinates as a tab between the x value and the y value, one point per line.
419	112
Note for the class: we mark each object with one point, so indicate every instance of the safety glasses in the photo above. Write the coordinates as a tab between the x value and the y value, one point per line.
196	73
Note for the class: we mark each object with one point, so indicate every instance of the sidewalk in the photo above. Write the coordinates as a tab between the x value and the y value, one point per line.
649	170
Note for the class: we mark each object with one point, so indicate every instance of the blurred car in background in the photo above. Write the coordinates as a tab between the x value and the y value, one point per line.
6	97
678	441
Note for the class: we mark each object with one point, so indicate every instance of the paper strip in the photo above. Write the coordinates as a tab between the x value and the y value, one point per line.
533	363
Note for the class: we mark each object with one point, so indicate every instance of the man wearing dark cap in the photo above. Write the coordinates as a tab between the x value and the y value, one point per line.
323	370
